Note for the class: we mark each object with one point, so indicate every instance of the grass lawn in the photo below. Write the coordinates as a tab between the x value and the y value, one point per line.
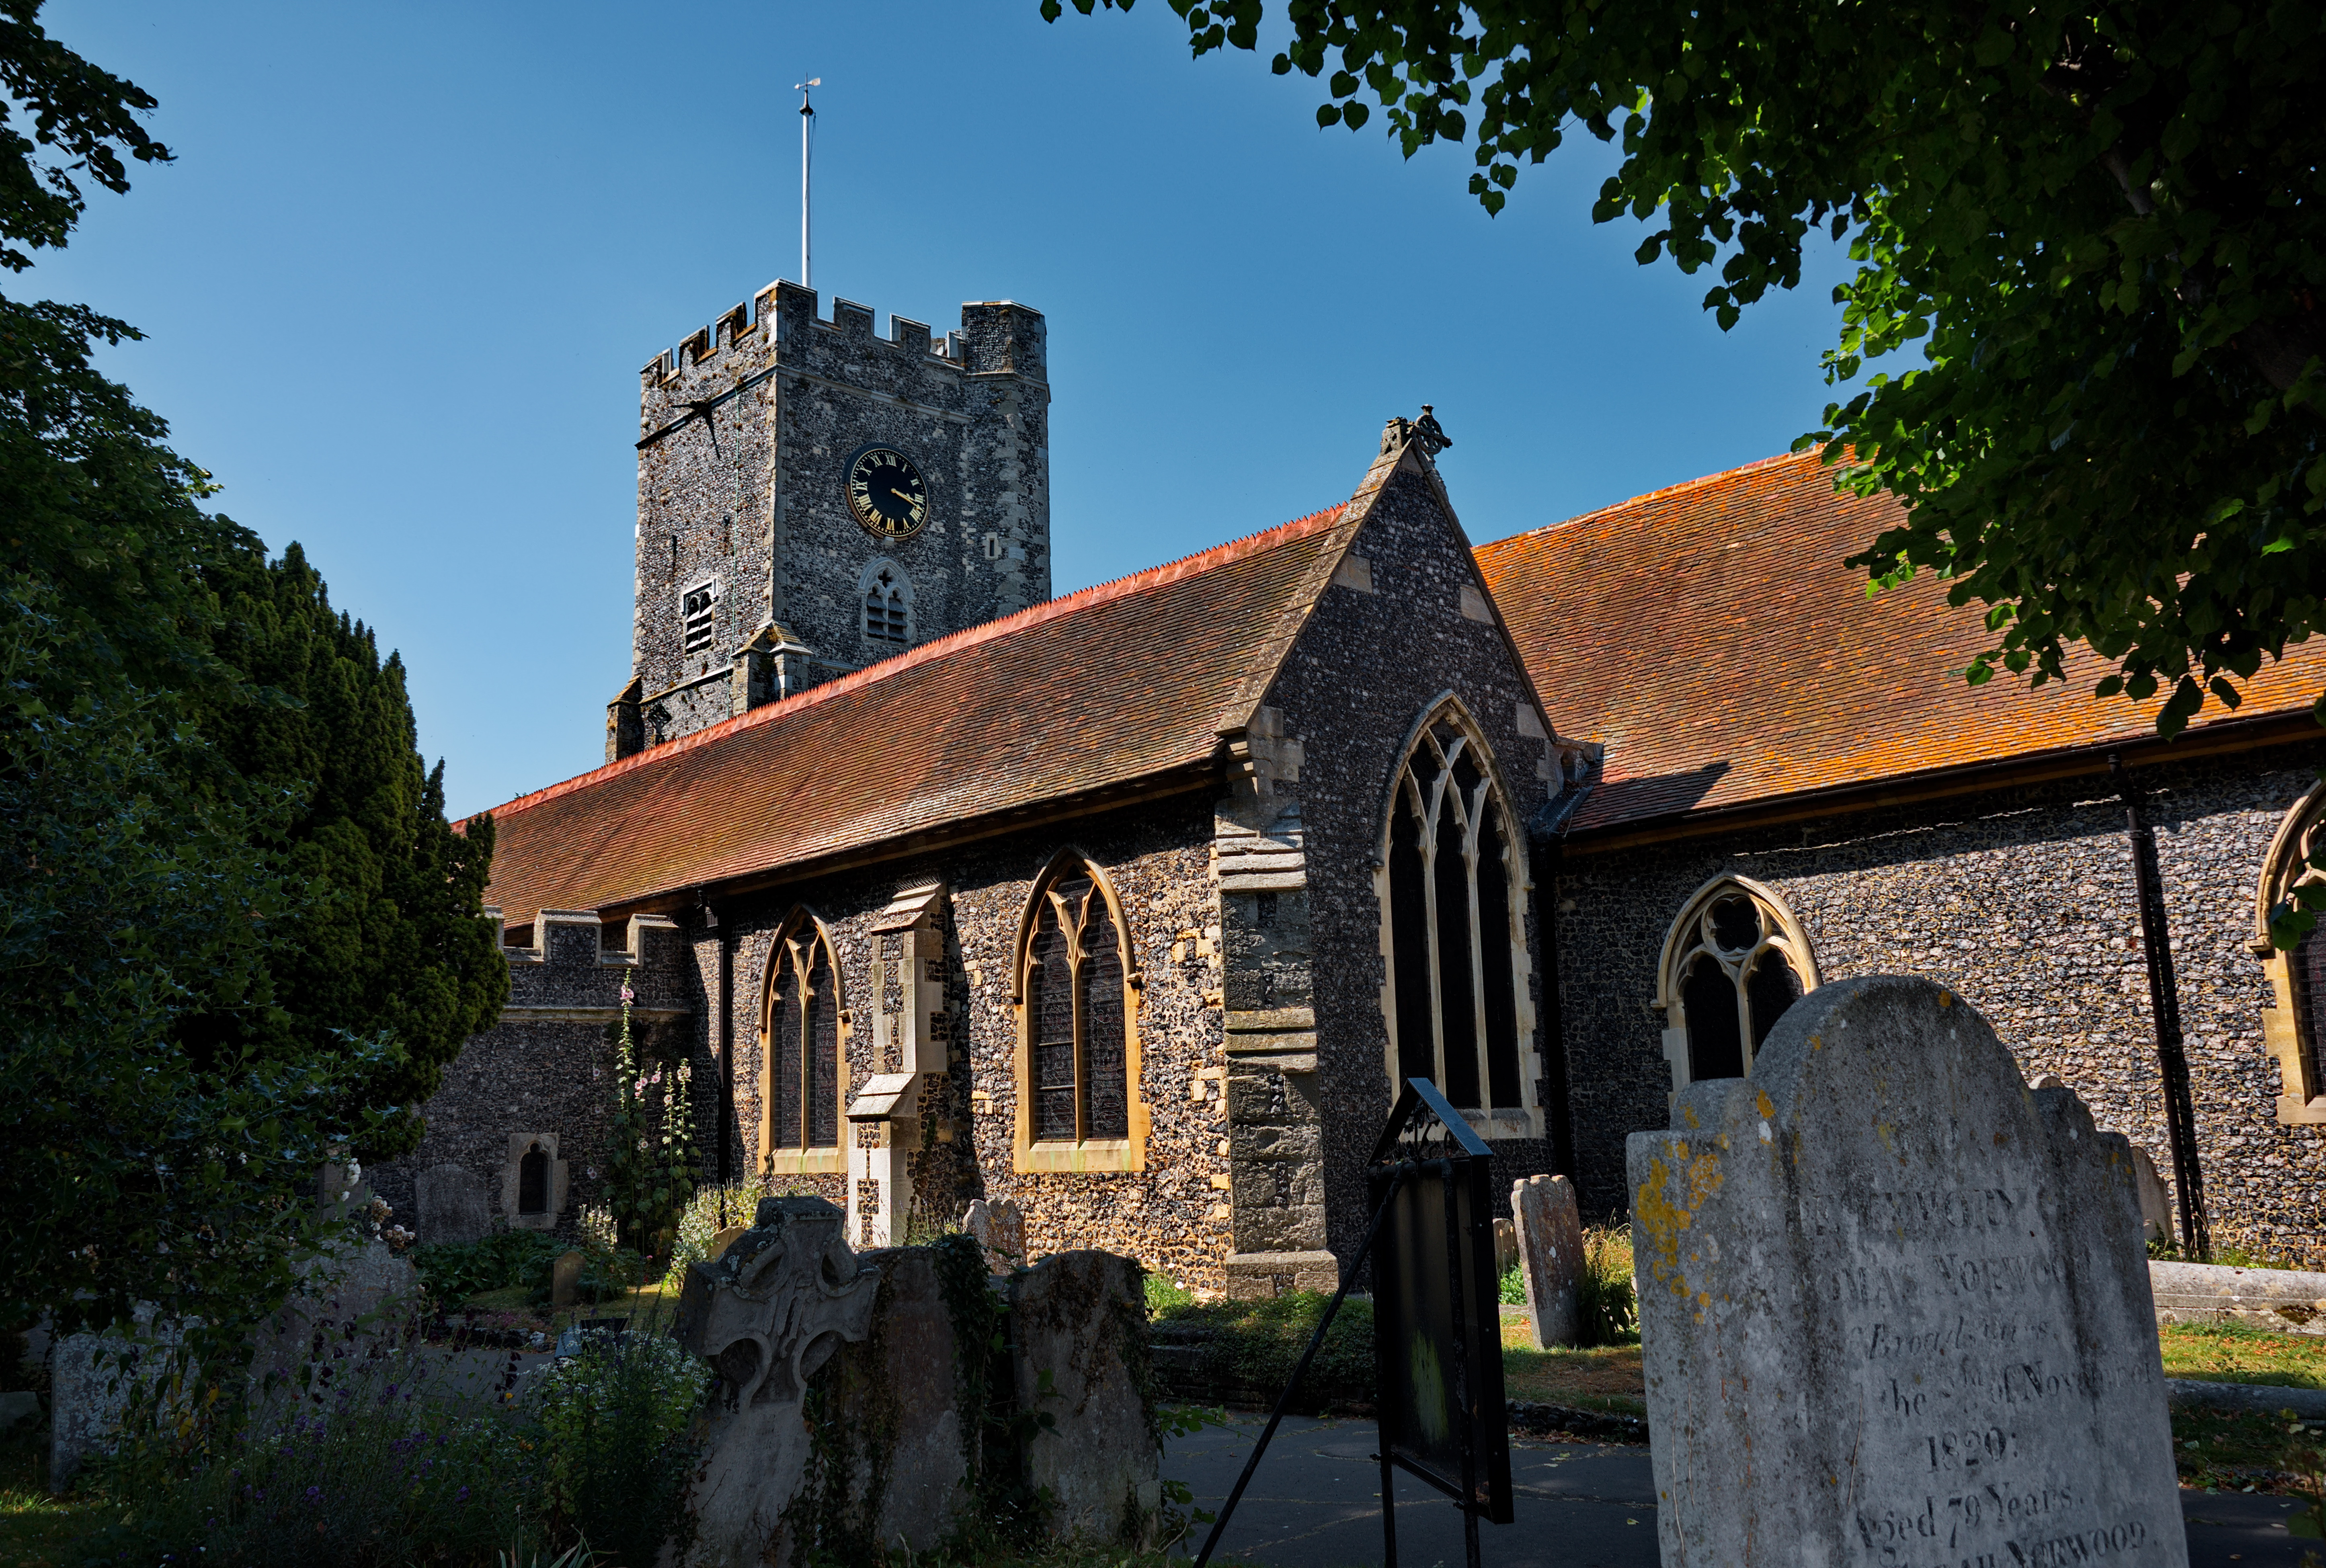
2234	1353
1604	1378
37	1530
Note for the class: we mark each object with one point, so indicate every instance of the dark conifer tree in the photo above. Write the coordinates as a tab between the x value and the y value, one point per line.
392	935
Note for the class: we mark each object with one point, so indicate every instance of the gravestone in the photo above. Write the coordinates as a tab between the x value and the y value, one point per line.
766	1316
2155	1205
721	1240
566	1277
1895	1307
1074	1316
999	1228
1550	1257
452	1204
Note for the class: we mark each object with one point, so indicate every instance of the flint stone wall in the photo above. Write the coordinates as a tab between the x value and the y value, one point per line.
1895	1307
2022	902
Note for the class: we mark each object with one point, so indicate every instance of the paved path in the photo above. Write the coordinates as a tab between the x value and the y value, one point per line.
1316	1504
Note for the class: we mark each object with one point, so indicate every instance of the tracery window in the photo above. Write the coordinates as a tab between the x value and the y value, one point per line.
1453	928
888	603
802	1079
1077	1002
2294	1030
1733	962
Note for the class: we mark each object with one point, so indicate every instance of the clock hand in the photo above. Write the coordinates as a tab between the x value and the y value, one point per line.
900	495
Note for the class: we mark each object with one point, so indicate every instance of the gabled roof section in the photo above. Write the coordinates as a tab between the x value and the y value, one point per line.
1708	635
1131	679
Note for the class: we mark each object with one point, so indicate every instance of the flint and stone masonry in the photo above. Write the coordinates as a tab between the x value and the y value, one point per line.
2022	902
751	572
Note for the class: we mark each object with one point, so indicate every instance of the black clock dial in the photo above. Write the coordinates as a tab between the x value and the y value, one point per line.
885	492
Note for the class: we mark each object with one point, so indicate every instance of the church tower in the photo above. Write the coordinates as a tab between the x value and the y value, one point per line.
813	500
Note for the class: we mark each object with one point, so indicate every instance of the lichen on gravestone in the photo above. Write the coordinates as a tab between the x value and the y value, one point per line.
1895	1306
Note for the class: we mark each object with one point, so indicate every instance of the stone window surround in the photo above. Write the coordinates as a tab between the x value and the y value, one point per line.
799	1162
901	588
2301	1097
690	644
1087	1154
512	1170
1792	939
1525	1120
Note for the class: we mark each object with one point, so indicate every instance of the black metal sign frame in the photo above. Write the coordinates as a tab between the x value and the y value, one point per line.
1438	1323
1431	1183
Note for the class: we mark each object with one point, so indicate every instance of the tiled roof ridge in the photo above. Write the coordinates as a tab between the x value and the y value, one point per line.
1186	566
1684	484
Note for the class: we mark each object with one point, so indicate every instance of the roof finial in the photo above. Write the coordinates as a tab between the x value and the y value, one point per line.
1425	432
1430	433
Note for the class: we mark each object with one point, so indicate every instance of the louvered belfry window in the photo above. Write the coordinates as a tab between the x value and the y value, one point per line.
1075	1015
885	616
801	1087
699	613
1451	932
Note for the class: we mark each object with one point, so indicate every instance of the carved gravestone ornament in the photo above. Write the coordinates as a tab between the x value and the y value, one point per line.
1895	1306
765	1315
999	1228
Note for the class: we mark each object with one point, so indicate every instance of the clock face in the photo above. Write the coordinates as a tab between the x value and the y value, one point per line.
885	492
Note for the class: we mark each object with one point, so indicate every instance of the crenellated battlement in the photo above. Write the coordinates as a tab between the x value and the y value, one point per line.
996	337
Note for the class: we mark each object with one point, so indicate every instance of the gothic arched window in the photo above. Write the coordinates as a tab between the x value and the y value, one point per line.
1079	1106
803	1072
2295	1031
1453	929
888	603
1733	962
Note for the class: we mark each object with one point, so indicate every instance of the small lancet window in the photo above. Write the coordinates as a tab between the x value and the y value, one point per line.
801	1085
1451	925
533	1181
1077	1008
1735	960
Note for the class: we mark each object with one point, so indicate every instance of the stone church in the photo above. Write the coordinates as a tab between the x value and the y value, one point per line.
1133	905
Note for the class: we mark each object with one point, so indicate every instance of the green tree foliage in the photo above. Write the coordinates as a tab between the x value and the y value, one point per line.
2101	221
391	935
172	1070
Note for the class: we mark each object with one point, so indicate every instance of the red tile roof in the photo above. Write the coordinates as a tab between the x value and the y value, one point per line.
1112	684
1710	637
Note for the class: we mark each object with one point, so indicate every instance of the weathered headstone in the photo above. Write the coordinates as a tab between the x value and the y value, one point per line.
2155	1206
452	1204
1075	1316
766	1316
1895	1306
721	1240
1550	1255
1506	1246
999	1228
566	1277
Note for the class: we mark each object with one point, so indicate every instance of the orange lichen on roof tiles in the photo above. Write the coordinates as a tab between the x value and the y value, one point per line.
1709	637
1116	682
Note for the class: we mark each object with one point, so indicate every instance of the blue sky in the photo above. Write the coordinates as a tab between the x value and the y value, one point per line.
398	287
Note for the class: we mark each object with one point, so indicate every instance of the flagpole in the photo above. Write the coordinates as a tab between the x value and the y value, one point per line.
808	127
